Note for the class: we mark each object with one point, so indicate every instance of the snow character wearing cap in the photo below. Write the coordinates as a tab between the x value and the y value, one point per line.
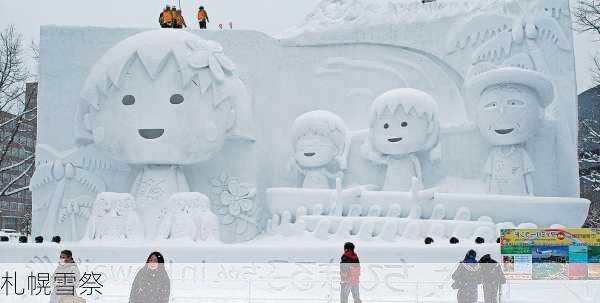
320	143
403	123
160	100
510	105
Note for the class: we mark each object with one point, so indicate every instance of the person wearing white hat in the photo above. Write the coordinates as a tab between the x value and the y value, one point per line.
510	103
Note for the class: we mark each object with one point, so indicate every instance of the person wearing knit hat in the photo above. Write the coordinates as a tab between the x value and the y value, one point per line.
510	103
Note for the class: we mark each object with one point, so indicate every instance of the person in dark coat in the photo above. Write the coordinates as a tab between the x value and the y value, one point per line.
466	278
492	277
349	274
152	283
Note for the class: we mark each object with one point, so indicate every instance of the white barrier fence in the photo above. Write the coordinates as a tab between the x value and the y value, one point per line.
287	282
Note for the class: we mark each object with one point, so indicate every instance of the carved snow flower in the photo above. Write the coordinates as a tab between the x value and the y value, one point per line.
238	197
209	54
235	202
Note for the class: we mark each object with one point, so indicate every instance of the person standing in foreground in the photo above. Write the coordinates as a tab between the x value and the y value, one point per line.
152	283
466	278
492	279
202	17
66	279
349	274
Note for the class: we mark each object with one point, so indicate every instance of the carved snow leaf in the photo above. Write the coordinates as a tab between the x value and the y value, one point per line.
226	63
550	30
477	30
520	60
215	68
496	49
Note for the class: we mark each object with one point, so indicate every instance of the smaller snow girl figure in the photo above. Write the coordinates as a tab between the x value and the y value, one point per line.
320	143
403	123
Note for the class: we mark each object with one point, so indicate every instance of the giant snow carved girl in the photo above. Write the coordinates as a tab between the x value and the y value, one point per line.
160	100
403	123
320	143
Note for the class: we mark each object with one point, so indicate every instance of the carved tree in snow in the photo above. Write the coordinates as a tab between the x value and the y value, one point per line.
495	38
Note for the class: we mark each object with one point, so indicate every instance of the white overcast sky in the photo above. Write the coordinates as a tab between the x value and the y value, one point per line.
269	16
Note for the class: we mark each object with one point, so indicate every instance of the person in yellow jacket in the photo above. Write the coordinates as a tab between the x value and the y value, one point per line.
202	17
163	16
179	21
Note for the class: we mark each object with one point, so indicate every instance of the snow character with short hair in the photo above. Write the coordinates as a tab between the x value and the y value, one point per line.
320	143
510	107
403	123
161	100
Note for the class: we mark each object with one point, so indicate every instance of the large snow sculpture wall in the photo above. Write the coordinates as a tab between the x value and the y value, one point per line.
340	68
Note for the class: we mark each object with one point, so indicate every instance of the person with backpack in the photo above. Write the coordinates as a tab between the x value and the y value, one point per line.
349	274
163	16
492	278
179	21
467	278
202	17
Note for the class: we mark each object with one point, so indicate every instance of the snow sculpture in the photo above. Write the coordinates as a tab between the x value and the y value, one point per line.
234	202
72	189
161	100
114	217
320	143
403	124
188	216
510	105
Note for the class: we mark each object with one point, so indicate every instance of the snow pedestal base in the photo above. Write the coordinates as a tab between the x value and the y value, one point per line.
541	211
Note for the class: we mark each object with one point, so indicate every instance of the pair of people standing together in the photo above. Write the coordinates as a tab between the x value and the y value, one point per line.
470	273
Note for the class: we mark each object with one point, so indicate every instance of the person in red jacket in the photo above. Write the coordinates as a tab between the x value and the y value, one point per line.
349	274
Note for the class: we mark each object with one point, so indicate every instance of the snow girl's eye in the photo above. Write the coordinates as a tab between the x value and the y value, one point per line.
386	126
404	124
128	100
176	99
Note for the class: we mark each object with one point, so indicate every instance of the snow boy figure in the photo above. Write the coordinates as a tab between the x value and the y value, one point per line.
403	124
510	106
160	100
320	143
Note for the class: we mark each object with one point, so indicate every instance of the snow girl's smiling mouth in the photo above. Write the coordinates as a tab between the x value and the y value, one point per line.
151	133
504	131
394	140
309	154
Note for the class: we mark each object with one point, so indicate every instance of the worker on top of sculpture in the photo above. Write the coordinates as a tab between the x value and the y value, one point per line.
510	105
202	17
165	19
179	20
160	100
403	124
320	143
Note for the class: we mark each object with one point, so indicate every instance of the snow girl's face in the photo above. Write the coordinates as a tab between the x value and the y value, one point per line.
159	121
508	114
399	133
314	150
